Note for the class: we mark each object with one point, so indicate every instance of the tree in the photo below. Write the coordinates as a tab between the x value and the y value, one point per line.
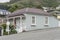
49	3
24	4
33	3
13	8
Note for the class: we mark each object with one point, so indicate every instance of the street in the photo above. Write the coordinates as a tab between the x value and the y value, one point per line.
46	34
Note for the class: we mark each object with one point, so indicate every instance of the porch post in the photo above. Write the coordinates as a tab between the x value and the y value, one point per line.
21	28
14	22
8	23
2	21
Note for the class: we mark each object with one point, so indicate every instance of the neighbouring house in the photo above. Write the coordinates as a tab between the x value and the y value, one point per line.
3	14
58	7
31	19
58	17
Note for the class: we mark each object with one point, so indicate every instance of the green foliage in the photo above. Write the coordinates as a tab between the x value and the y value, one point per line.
49	3
4	27
18	4
5	33
13	32
11	27
13	8
24	4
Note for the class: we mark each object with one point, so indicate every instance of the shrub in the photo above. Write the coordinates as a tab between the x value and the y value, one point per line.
11	27
4	27
13	32
5	33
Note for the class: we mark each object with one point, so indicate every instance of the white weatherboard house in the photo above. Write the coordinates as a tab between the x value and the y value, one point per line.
31	19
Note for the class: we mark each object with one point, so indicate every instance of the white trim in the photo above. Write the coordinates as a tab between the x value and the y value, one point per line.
35	20
21	26
13	17
2	21
45	20
2	32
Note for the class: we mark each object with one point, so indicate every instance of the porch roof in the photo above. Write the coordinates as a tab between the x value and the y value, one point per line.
29	10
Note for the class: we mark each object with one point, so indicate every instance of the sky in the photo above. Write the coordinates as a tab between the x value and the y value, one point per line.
3	1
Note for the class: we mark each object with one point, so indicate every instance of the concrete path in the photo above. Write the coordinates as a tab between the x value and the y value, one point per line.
48	34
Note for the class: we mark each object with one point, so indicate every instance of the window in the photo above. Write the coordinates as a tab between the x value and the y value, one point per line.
33	20
46	20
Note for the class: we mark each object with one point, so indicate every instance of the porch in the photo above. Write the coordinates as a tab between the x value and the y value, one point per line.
18	22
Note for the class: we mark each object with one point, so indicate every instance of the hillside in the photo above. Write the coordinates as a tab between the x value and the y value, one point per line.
28	3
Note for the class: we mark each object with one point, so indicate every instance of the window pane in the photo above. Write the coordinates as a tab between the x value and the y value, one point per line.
33	20
46	20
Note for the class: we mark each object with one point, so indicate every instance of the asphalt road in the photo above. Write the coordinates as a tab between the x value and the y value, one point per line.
46	34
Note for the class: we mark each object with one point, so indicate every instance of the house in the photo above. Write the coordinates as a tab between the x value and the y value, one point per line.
58	16
31	19
58	7
3	13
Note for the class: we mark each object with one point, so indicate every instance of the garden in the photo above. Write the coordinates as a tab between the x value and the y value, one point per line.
11	29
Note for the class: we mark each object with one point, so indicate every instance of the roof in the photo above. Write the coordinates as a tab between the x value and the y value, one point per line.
30	10
4	12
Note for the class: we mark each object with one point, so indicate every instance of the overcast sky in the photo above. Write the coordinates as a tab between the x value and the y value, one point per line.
2	1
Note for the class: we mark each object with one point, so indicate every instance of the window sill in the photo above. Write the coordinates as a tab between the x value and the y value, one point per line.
33	24
46	24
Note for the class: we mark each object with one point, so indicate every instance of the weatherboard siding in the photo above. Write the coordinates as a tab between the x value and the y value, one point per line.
40	22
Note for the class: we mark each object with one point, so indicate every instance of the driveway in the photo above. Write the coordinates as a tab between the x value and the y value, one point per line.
46	34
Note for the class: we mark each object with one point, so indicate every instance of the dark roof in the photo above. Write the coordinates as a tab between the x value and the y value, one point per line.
31	10
4	12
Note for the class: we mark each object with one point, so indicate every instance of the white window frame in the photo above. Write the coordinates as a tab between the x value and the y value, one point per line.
35	20
45	20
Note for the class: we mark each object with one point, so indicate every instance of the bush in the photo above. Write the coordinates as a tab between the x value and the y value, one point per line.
11	27
5	33
4	27
13	32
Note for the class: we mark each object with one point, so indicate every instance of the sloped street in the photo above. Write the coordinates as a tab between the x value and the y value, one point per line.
46	34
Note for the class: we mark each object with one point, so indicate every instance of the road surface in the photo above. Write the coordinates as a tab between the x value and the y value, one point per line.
46	34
